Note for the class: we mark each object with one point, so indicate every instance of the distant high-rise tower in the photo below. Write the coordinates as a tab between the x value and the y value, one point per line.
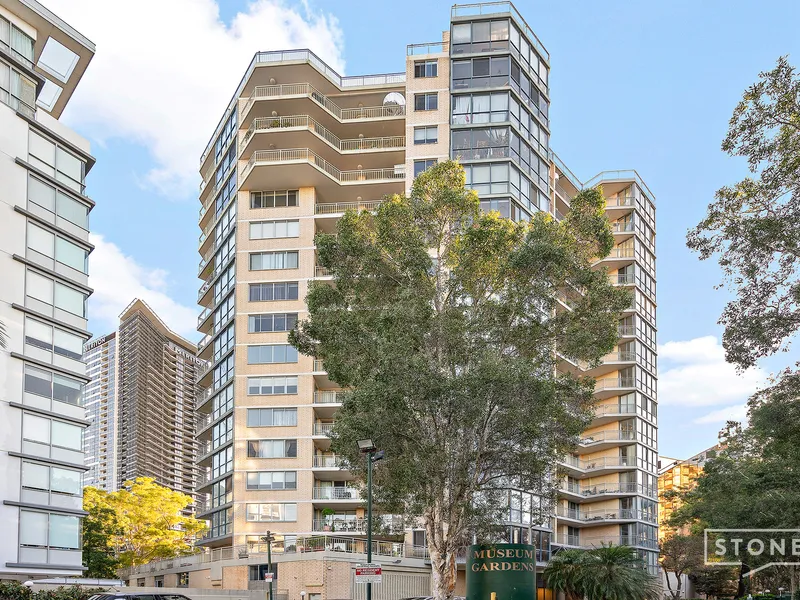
141	404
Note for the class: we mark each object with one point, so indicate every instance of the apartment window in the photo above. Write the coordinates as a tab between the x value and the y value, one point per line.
223	312
269	386
426	68
271	512
226	223
46	530
269	354
488	179
52	246
480	143
223	402
17	43
481	36
56	294
500	205
271	417
43	336
272	322
274	199
272	448
225	136
225	283
223	372
481	73
57	202
53	386
267	292
272	480
183	580
228	191
222	462
222	432
426	135
57	162
264	261
224	342
265	230
427	101
423	165
36	476
222	492
49	437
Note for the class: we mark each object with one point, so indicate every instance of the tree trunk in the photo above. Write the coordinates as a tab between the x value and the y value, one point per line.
443	567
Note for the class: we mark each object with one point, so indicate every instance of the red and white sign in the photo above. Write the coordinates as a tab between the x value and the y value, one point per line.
368	573
268	577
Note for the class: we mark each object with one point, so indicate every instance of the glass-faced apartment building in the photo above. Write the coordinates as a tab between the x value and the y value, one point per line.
298	145
44	248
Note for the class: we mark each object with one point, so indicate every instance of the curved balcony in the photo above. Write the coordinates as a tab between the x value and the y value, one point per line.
618	258
603	516
602	491
337	209
609	363
608	438
594	467
609	387
302	167
293	91
562	539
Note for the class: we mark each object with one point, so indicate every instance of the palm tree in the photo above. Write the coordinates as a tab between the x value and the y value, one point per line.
605	573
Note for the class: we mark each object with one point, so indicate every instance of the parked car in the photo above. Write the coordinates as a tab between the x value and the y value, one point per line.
137	596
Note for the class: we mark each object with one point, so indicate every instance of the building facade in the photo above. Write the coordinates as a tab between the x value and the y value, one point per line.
141	404
297	146
44	249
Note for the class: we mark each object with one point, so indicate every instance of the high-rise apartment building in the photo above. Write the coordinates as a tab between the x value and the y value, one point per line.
297	146
141	404
676	475
44	247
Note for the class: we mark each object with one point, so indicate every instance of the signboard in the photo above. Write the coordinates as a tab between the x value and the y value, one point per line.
368	573
509	570
268	577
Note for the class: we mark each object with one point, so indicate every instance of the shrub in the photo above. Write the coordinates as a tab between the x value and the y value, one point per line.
11	590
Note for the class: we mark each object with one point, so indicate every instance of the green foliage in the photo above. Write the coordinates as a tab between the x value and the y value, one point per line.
142	522
754	225
605	573
443	322
681	555
12	590
99	530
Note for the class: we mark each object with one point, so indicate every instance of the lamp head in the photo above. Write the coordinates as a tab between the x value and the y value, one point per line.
366	445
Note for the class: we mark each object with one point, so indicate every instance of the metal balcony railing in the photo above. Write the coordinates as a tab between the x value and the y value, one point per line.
563	539
623	278
318	366
323	428
340	207
622	227
203	316
336	493
203	420
608	435
429	48
328	462
599	463
320	271
614	409
295	155
614	382
328	397
620	201
306	89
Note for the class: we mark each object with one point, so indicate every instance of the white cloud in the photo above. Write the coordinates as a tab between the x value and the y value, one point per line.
694	373
165	71
730	413
118	279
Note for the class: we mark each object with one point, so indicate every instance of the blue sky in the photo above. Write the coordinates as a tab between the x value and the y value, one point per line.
644	85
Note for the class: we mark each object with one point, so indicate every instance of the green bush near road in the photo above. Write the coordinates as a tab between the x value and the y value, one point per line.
11	590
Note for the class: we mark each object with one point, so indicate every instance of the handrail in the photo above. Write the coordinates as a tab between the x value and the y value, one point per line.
307	122
340	207
621	174
608	435
323	428
336	493
328	397
323	461
429	48
306	89
306	155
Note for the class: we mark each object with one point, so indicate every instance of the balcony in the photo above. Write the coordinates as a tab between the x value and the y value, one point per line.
337	208
345	494
322	461
622	227
623	278
599	491
563	539
304	155
305	122
608	387
323	429
293	90
597	465
601	440
603	515
322	273
626	331
329	397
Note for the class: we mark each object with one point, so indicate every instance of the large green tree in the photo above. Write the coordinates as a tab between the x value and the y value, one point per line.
680	555
147	520
753	227
100	528
605	573
444	323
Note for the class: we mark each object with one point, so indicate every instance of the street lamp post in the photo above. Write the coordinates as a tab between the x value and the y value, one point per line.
269	538
368	448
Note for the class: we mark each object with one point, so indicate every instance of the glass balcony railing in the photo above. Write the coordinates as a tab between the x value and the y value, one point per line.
336	493
295	155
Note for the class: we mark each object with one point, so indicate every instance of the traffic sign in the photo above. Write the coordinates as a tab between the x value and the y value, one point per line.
368	573
268	577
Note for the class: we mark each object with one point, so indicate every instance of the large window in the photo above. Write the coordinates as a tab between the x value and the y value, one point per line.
481	36
47	530
15	42
480	143
56	294
53	386
222	462
273	353
55	247
222	432
426	135
271	512
221	523
274	199
57	202
267	292
222	492
224	312
272	448
44	336
223	402
56	161
271	417
427	101
225	136
272	480
426	68
272	322
481	72
480	108
420	166
270	386
51	438
224	342
223	372
264	261
59	480
264	230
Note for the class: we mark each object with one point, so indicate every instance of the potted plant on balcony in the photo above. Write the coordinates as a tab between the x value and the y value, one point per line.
327	513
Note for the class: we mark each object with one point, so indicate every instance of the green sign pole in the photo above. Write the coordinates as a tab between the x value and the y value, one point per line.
501	572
